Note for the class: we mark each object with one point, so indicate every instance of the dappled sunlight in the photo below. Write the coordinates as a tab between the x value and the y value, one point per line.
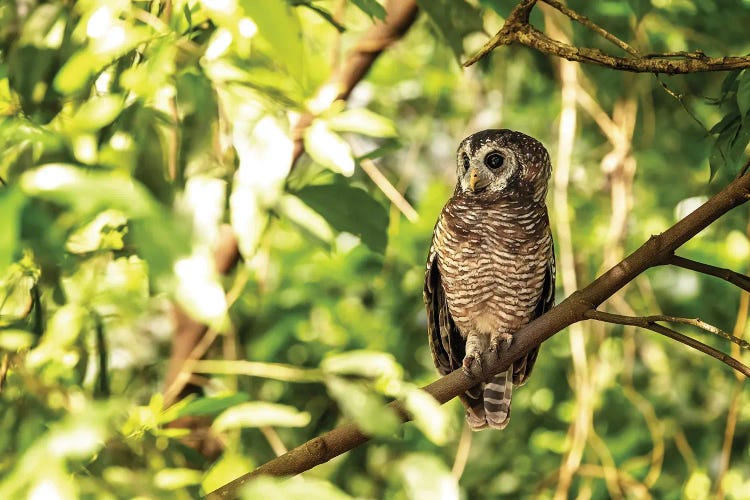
215	216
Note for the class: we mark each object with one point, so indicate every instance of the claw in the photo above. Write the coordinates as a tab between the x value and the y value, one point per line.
472	366
502	341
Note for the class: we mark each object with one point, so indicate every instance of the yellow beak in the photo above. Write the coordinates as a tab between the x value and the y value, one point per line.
473	178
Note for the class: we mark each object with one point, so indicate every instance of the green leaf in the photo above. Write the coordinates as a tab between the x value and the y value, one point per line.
370	364
212	405
371	7
364	406
230	466
96	113
296	488
259	414
362	121
743	93
426	476
177	478
429	416
14	340
720	151
454	19
328	149
87	191
350	209
278	24
12	202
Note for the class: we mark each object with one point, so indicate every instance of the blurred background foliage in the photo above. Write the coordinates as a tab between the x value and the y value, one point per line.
132	130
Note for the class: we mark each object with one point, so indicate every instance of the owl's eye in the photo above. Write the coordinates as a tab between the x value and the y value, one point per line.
465	159
494	160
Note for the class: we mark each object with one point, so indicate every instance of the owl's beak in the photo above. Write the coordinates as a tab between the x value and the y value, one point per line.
473	178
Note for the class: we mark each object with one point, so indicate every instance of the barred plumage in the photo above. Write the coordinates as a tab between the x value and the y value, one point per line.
491	266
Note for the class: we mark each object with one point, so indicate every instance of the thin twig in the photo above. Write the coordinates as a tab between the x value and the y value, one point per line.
667	332
277	371
588	23
697	322
462	452
274	440
518	30
732	277
388	190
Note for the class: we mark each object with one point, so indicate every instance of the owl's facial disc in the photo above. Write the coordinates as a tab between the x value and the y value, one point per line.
489	168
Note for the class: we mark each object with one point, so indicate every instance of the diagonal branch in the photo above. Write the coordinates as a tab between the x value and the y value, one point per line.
571	310
518	30
650	324
728	275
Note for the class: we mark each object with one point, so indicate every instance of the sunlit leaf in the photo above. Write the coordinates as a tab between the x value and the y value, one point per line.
97	112
198	288
105	232
369	364
297	488
426	477
429	416
177	478
229	467
362	121
14	340
328	148
259	414
278	24
87	191
363	406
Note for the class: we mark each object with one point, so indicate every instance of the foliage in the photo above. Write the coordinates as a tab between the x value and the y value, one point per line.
132	130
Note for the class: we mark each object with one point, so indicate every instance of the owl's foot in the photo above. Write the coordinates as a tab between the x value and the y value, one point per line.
500	342
472	365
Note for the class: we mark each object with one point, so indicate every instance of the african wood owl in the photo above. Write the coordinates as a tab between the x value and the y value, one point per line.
491	266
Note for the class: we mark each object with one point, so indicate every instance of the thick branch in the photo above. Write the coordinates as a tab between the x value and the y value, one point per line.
732	277
649	322
652	253
517	29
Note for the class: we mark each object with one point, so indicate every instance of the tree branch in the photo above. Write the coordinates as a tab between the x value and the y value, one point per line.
648	323
728	275
517	29
571	310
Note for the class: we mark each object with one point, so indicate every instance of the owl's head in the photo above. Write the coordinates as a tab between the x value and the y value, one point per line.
498	162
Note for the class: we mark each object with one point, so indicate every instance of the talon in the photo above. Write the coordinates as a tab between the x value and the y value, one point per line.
472	366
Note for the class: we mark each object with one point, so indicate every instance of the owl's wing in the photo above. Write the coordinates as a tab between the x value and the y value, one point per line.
523	369
448	348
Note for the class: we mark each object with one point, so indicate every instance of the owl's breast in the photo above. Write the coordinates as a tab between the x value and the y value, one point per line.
492	269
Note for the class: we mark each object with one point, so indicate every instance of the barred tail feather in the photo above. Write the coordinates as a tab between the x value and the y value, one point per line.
472	400
497	394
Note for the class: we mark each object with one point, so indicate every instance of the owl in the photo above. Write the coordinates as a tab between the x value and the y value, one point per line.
491	266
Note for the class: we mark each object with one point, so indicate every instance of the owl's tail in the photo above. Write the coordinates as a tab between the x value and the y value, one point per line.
497	394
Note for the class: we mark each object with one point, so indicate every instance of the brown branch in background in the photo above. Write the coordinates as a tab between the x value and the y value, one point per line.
571	310
732	277
400	15
643	322
518	30
186	342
